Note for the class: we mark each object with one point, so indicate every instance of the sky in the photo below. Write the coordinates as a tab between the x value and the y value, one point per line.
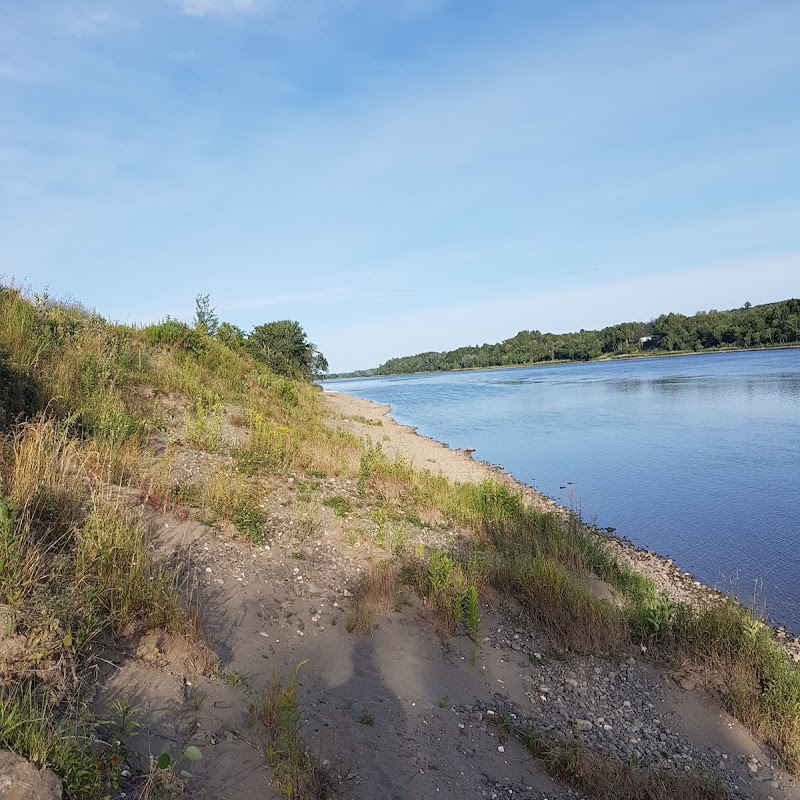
401	175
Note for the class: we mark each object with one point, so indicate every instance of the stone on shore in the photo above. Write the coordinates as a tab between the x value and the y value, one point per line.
21	780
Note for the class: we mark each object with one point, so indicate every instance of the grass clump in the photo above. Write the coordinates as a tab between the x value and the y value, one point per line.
341	505
736	652
75	566
53	737
298	775
203	419
605	777
379	591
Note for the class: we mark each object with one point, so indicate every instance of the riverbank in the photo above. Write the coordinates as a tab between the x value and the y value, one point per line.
364	418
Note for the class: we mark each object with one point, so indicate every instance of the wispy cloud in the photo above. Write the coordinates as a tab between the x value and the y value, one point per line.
87	23
202	8
288	298
183	55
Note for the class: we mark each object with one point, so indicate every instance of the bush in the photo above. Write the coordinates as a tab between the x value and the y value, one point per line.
176	334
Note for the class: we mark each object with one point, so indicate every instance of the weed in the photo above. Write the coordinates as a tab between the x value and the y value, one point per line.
469	612
444	702
366	719
503	722
398	541
379	516
555	654
366	421
231	678
341	505
203	417
380	538
297	774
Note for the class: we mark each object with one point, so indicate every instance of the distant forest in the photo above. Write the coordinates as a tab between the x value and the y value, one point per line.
768	325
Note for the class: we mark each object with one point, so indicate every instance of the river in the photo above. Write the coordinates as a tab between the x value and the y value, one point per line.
695	457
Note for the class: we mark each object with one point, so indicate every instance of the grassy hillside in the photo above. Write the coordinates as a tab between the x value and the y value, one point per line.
84	440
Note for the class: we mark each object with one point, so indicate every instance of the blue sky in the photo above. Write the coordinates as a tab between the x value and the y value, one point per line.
401	175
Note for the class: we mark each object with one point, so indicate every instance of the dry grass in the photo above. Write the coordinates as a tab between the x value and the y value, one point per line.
379	591
604	777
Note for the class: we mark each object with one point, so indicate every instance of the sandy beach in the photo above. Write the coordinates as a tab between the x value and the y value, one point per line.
365	418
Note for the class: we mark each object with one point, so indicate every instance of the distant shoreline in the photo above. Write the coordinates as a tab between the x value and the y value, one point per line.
599	360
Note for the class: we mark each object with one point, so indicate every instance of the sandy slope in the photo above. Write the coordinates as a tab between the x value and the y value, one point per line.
266	610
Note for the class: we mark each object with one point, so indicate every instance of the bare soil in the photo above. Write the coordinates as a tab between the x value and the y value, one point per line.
402	712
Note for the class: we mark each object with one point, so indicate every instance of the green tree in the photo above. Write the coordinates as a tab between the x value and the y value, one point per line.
232	336
285	349
320	364
206	319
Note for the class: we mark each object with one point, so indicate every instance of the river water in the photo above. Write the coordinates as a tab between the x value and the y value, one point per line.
695	457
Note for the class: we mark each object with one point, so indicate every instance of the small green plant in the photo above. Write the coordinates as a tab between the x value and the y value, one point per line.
398	541
360	619
366	421
341	505
379	516
164	778
366	719
117	755
554	654
380	538
277	719
444	702
247	461
251	520
661	616
469	612
231	678
203	419
504	723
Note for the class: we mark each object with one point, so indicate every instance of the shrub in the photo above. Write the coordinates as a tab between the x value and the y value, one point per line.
176	334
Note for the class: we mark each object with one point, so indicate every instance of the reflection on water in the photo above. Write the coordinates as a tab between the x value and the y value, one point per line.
695	457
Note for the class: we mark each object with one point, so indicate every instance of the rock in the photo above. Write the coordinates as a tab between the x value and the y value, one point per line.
688	684
20	780
583	724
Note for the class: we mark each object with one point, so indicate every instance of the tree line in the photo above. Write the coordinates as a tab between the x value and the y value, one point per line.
768	325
